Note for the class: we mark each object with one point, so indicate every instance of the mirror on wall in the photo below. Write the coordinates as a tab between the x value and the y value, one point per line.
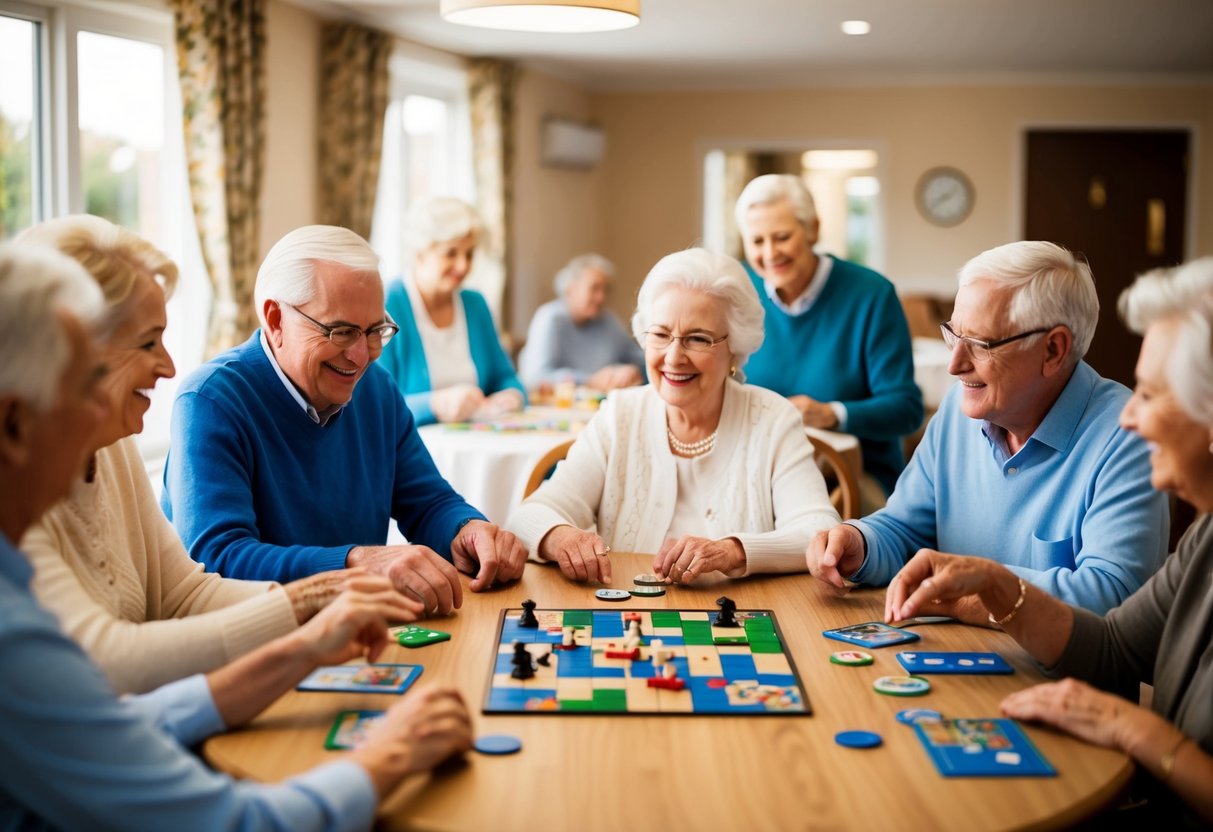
845	184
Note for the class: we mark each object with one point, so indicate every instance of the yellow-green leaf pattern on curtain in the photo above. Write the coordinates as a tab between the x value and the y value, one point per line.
491	86
221	63
353	100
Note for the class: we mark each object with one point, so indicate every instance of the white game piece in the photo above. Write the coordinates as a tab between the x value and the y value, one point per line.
566	637
669	670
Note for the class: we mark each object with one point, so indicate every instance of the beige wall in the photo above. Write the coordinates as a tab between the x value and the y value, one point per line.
292	89
557	213
651	177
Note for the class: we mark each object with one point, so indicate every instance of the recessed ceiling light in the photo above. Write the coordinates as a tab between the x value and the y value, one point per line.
856	27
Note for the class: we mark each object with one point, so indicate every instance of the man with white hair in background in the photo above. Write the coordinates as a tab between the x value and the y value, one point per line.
77	757
1025	462
576	338
291	453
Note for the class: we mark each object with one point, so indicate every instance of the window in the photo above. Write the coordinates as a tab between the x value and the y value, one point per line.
90	122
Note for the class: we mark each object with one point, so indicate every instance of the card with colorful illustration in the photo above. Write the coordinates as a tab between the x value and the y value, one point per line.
362	678
871	634
350	729
921	663
981	748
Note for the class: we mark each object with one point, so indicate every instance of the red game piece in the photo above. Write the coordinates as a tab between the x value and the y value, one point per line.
632	654
666	684
718	683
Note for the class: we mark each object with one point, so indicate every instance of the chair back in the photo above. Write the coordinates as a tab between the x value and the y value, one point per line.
544	467
840	480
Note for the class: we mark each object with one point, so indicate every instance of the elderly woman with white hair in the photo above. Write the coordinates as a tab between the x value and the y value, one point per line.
107	562
576	338
447	359
1161	634
838	345
707	473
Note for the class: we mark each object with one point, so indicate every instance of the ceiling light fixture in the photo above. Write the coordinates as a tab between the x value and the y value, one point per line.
856	27
544	15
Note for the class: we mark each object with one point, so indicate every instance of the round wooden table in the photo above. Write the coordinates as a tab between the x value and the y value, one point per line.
581	772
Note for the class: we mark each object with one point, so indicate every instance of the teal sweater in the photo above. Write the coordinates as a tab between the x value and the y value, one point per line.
404	357
852	346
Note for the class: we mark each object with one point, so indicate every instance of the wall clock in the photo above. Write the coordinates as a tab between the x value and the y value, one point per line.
944	196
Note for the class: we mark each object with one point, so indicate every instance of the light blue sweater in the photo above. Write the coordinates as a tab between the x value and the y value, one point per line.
405	360
556	348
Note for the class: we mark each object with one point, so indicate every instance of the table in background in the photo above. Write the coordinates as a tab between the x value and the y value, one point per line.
592	772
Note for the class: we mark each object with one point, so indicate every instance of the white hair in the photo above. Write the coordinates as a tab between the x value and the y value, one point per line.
1052	288
439	219
578	266
772	188
288	273
1183	294
713	274
37	284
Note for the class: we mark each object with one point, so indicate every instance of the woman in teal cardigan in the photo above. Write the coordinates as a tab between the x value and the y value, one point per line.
446	359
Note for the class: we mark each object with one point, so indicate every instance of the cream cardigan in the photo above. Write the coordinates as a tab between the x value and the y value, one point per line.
620	477
111	567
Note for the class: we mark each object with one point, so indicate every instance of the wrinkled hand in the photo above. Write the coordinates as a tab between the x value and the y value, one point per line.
683	559
494	555
935	583
416	571
456	404
356	623
582	556
501	402
614	376
835	553
1078	709
815	414
426	727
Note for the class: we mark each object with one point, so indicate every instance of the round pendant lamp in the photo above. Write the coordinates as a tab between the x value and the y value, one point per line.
544	15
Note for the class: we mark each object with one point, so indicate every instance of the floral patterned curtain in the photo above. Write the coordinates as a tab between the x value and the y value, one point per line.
491	85
221	63
353	100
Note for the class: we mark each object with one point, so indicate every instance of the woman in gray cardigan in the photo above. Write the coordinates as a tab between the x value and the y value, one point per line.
1163	634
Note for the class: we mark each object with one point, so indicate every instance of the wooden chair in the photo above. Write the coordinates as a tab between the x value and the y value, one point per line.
840	479
544	467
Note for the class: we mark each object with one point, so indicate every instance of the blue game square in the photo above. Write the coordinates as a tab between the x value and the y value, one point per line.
608	625
736	666
575	663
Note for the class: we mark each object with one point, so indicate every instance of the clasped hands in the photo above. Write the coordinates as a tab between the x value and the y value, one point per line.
584	556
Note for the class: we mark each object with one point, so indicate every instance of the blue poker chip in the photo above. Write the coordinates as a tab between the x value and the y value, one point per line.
498	744
858	739
912	716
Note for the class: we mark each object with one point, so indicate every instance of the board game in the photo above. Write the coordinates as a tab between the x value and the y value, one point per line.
580	661
981	748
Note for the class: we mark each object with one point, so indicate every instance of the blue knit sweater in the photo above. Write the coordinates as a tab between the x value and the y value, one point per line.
404	357
851	346
258	490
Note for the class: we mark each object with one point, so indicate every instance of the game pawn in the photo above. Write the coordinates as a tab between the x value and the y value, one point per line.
523	667
528	619
726	617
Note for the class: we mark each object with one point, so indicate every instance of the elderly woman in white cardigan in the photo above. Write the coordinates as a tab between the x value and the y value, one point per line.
707	473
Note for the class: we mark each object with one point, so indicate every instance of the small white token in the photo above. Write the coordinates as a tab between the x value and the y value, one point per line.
965	662
1007	758
613	595
932	661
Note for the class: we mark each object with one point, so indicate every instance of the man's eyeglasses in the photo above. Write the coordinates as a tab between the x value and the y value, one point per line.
698	342
345	336
979	349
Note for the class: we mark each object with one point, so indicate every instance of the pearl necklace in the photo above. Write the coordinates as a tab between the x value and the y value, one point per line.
691	449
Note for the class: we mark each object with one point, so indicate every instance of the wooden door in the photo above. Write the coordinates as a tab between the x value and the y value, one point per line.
1119	198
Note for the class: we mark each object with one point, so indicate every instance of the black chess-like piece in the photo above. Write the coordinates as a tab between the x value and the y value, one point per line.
545	659
528	619
726	618
524	668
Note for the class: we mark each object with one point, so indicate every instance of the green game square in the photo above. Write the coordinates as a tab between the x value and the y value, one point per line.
610	700
696	632
667	618
576	704
765	647
578	618
758	626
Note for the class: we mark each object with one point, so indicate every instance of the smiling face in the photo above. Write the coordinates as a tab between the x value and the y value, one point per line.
325	373
136	359
688	380
1180	461
440	268
779	248
586	295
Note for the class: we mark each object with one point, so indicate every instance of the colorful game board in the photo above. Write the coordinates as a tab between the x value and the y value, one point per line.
981	748
751	674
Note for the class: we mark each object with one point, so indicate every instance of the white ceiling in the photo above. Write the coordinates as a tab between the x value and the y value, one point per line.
715	44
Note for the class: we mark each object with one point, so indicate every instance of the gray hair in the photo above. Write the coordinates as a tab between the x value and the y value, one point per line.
1052	287
288	273
437	220
772	188
578	266
1183	294
37	284
713	274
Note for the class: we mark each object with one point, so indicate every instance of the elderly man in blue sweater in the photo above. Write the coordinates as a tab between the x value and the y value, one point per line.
292	452
1025	462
